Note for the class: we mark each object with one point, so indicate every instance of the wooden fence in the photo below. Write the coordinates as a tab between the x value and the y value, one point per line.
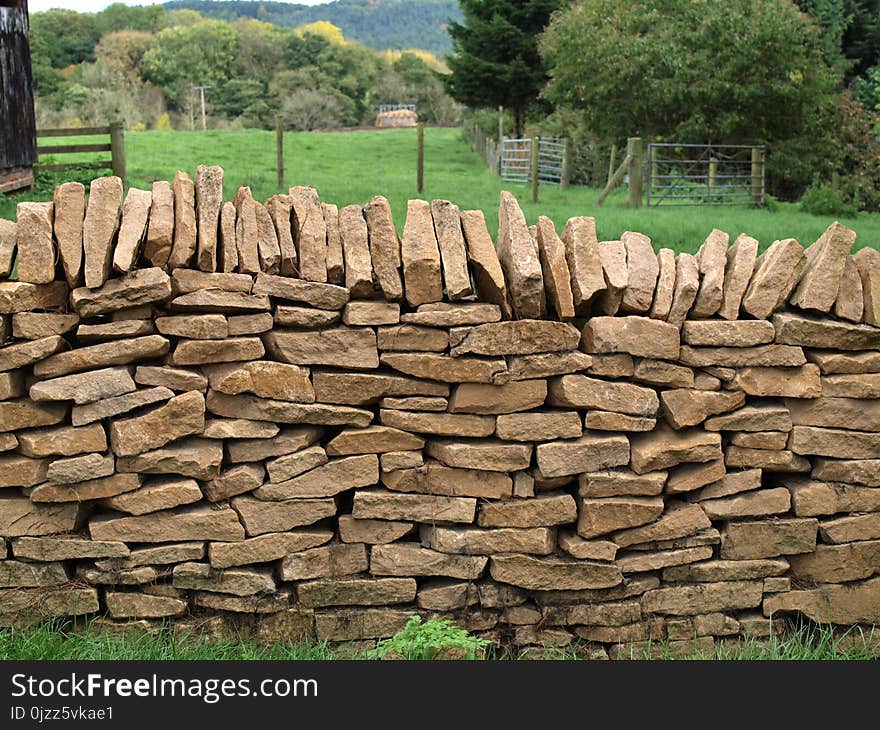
115	146
486	146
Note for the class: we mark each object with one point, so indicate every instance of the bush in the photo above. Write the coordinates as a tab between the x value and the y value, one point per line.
307	109
437	638
825	200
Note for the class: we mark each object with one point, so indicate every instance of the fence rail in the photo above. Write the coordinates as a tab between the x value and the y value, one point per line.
115	146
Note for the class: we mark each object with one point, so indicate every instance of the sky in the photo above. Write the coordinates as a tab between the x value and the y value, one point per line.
93	6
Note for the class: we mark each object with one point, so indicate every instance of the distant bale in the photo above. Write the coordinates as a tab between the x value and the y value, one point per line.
397	118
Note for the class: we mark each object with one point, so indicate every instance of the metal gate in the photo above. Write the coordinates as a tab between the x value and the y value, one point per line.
516	160
698	174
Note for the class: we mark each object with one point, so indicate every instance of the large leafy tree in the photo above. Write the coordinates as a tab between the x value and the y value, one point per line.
741	70
495	59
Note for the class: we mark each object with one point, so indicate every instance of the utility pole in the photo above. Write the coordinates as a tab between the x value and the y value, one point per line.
201	90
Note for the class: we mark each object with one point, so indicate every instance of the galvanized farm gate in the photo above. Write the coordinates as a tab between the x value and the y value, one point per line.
702	174
517	162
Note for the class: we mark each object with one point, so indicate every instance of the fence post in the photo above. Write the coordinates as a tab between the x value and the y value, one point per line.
611	160
635	151
757	176
420	161
713	174
533	168
117	150
500	124
279	146
566	165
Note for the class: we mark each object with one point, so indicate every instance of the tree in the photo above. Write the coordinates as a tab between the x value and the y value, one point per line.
68	37
688	70
495	59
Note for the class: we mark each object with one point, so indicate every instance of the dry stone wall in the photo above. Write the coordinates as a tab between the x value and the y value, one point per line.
283	417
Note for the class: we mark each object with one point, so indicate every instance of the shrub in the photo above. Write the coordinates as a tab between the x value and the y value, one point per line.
824	200
424	641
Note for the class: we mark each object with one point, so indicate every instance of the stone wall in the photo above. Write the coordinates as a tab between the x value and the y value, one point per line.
284	416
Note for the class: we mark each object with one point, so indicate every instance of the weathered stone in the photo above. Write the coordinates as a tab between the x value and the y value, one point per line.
580	391
584	263
266	548
8	247
837	563
778	271
217	300
639	336
545	574
287	441
249	324
605	421
247	233
326	480
138	605
850	303
264	379
538	426
663	448
769	440
837	604
236	480
831	362
867	261
192	457
486	267
612	254
160	231
794	329
475	541
262	409
183	251
642	272
741	259
687	284
446	595
21	471
619	482
267	241
643	561
357	592
20	296
47	549
237	581
493	399
41	603
198	327
110	407
335	255
132	230
704	381
757	503
545	510
811	440
866	385
157	555
602	516
411	559
710	571
99	228
765	539
657	372
712	259
128	577
356	251
39	325
373	440
158	495
450	238
385	247
420	256
366	388
371	313
311	233
69	213
752	418
25	413
557	277
486	455
8	442
102	355
232	349
397	460
259	517
188	281
518	254
582	549
372	532
544	365
802	382
719	333
292	465
90	489
323	347
847	413
665	285
80	468
62	441
119	330
686	407
407	337
851	529
689	477
435	478
306	317
330	561
20	517
703	598
380	504
523	337
734	357
588	453
279	208
23	354
776	461
183	415
238	428
679	520
853	471
36	249
820	282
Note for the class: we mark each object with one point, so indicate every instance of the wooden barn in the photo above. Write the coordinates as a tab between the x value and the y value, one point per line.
18	140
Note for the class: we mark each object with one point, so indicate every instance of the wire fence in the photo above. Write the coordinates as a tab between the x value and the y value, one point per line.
516	160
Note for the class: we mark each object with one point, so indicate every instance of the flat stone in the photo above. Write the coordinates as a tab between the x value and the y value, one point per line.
357	591
768	440
192	457
719	333
83	491
435	478
527	367
371	313
367	388
23	354
851	529
778	271
420	256
326	480
642	272
20	517
407	337
710	571
25	413
36	249
847	413
235	480
385	247
539	574
279	208
156	495
315	294
794	329
689	477
539	426
287	441
236	581
356	251
411	559
657	372
160	230
259	517
100	227
765	539
231	349
122	329
837	563
446	595
70	211
132	230
583	259
188	281
588	453
639	336
867	261
582	549
665	285
758	503
292	465
832	442
820	282
441	314
183	415
685	407
545	510
198	327
642	561
523	337
384	505
8	247
249	324
848	604
620	482
741	257
171	378
20	296
373	440
689	600
371	532
217	300
21	471
323	347
39	325
712	258
679	520
866	385
42	603
850	302
183	250
110	407
580	391
311	233
47	549
731	483
247	233
265	548
853	471
476	541
664	448
62	441
493	399
267	241
265	379
136	605
734	357
329	561
238	428
102	355
518	254
802	382
777	461
80	468
444	368
687	285
557	277
752	418
264	409
450	238
485	265
486	455
157	555
606	421
602	516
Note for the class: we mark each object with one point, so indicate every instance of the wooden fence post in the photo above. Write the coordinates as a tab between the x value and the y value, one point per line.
611	160
713	175
279	150
635	151
757	176
500	124
420	160
117	150
533	168
566	165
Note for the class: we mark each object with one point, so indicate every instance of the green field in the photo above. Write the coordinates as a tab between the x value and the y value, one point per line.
351	167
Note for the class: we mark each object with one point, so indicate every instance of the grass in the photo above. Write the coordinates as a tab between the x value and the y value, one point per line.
351	167
52	640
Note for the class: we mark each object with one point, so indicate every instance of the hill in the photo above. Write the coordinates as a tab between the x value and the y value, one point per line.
379	24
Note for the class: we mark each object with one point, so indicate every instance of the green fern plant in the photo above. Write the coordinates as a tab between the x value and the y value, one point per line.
437	638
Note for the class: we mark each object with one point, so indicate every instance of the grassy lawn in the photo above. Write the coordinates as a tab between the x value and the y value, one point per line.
54	641
351	167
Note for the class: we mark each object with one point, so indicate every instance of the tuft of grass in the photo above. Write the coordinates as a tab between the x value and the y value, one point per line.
352	167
